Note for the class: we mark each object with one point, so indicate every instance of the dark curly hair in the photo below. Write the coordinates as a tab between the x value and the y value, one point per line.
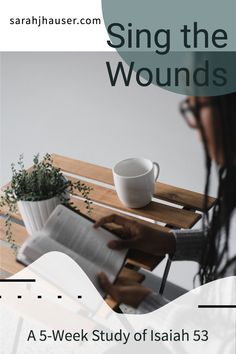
216	259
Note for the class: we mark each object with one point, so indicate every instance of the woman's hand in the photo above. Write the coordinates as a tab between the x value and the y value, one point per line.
138	236
124	291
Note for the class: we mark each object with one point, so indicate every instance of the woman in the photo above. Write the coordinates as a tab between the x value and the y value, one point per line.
214	118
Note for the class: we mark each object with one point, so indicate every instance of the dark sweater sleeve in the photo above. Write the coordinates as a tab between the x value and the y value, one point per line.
189	245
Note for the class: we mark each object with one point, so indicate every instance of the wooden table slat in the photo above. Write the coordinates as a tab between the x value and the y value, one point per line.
180	196
19	232
156	211
8	261
174	216
97	213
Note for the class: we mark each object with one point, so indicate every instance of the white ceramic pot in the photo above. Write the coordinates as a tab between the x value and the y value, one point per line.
35	214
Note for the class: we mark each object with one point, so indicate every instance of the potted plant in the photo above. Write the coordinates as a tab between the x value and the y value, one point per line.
36	192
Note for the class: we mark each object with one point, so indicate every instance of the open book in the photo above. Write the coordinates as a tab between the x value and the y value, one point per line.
68	232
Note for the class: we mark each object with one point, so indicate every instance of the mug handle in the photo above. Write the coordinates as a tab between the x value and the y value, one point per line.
157	168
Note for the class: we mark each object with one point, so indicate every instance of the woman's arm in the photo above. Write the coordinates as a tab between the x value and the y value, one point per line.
182	244
136	235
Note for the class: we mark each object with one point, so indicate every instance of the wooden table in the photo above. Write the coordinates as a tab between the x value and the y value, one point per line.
172	207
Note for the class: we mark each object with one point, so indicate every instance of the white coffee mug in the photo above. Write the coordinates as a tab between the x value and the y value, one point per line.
134	181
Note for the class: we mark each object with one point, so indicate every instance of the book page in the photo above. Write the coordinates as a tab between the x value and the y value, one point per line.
74	235
36	247
78	234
